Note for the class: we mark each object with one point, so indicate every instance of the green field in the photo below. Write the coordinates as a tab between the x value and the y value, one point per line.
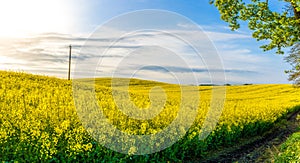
290	150
39	122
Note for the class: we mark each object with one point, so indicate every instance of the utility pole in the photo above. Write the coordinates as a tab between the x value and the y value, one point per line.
70	52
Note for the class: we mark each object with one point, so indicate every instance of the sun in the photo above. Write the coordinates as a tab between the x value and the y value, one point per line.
20	18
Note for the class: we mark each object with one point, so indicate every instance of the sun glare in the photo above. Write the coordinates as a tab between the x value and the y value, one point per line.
20	18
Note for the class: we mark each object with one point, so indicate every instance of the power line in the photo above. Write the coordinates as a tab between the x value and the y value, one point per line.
70	53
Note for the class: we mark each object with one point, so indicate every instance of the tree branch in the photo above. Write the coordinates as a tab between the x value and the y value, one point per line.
296	13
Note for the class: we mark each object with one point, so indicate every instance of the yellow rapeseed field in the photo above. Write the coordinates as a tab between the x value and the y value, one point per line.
39	121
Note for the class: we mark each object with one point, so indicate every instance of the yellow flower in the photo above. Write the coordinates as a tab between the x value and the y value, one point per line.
132	150
88	146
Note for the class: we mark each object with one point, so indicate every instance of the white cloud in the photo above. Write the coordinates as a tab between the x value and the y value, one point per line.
218	36
48	54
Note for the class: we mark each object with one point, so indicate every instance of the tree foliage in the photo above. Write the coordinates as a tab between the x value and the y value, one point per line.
294	59
282	29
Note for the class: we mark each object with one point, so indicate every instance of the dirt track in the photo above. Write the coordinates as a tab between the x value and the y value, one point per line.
256	150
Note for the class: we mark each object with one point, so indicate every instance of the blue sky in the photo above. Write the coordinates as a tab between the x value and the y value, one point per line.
41	43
